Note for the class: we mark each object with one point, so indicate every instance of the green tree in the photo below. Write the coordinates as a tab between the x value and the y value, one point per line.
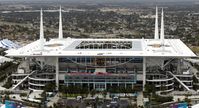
93	92
187	100
150	88
50	87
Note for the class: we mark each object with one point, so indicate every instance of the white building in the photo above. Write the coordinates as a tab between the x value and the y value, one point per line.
103	63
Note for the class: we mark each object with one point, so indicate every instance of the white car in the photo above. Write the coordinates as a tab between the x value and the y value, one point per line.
108	106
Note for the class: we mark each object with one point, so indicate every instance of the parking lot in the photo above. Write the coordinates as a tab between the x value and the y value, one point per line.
93	103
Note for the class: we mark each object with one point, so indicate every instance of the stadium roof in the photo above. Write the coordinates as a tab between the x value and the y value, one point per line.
105	47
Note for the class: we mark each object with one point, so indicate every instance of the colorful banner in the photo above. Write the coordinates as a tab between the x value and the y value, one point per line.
179	105
10	104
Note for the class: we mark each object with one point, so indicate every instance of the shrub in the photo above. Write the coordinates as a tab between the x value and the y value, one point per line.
23	94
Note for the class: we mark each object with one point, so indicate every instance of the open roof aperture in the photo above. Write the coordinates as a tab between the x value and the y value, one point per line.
105	45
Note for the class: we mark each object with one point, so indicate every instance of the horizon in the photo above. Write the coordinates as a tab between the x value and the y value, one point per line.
100	1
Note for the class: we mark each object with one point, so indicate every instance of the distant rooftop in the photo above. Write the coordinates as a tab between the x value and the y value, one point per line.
5	43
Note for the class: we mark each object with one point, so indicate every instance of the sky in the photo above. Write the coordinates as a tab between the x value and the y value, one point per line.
99	1
108	0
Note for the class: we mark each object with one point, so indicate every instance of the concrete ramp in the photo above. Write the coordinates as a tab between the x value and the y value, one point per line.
20	82
187	88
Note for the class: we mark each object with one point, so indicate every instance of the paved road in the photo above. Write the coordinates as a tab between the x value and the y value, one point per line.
122	104
71	102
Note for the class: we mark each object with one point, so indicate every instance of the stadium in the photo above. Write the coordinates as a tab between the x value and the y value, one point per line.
104	63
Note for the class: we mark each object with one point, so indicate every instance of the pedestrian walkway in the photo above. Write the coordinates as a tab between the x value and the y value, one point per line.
20	82
35	94
140	98
53	100
2	88
185	86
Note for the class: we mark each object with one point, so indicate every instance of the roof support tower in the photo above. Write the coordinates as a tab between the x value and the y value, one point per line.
156	25
162	28
60	25
41	37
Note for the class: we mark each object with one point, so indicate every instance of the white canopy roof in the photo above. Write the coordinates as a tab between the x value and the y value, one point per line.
140	48
195	106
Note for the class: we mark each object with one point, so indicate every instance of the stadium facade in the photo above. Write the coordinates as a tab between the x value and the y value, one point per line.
104	63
